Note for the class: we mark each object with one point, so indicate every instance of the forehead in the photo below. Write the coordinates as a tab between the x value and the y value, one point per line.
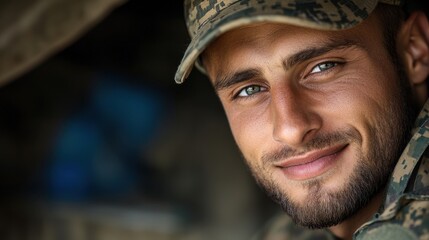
254	36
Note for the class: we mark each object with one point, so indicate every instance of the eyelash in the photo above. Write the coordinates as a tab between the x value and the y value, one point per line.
332	63
261	88
321	73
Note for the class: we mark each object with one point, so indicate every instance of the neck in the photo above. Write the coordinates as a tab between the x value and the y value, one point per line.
345	229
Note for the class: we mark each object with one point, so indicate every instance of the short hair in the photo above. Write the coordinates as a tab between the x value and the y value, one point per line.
391	18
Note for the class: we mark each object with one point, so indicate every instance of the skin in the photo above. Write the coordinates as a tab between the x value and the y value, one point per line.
285	109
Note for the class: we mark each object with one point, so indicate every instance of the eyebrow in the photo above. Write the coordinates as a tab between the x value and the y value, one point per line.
237	77
329	45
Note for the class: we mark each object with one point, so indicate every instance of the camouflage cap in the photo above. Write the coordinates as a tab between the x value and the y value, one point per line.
208	19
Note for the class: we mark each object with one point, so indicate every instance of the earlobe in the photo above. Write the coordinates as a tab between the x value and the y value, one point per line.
413	42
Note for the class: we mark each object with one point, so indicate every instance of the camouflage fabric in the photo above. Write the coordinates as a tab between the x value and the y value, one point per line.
208	19
406	208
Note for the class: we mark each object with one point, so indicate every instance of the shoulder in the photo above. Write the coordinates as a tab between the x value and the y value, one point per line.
411	221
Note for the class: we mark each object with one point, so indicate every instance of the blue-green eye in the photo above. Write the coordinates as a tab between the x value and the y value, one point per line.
250	90
323	67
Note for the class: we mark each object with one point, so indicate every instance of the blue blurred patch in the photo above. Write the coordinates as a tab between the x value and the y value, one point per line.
98	150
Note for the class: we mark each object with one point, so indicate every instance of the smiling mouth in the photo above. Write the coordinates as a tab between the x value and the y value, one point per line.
311	164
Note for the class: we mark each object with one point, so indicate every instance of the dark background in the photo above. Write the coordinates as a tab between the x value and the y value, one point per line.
98	142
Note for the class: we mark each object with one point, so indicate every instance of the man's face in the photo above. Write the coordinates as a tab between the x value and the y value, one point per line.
319	116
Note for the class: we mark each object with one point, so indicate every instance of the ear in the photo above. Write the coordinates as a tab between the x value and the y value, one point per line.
413	45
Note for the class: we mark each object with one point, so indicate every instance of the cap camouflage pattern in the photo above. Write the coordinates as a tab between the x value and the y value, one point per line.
208	19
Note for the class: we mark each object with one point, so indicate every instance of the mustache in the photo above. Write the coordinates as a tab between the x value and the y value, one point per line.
319	142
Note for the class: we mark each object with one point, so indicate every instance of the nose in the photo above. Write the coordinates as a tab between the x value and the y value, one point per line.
294	121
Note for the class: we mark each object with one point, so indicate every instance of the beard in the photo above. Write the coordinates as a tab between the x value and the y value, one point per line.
323	207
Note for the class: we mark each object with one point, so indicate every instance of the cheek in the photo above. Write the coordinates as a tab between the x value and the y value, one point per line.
250	130
366	105
365	90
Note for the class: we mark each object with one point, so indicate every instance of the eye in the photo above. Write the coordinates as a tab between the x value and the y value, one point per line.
250	90
323	67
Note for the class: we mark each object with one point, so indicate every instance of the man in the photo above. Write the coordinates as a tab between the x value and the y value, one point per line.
322	99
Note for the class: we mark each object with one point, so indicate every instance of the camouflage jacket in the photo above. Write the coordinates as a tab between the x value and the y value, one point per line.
405	213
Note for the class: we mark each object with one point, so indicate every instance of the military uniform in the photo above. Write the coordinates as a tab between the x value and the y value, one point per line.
406	206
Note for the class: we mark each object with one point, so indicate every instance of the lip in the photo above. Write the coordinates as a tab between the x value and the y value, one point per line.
311	164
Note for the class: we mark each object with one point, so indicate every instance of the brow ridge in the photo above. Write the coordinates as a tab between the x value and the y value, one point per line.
315	51
289	62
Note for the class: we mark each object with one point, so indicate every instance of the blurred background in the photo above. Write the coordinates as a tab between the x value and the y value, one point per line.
96	139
